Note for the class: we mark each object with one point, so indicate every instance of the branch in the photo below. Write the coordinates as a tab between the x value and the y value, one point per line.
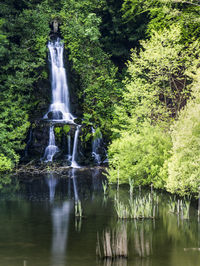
186	2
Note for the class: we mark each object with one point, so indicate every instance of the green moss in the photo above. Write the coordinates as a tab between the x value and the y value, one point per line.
58	133
66	129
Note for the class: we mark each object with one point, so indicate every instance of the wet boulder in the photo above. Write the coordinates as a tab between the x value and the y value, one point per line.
55	115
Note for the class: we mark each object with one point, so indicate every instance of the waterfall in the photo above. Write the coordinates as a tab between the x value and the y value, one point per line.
74	154
60	107
69	156
96	144
51	149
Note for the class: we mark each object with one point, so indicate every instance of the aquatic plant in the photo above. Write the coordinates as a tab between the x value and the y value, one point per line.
172	204
122	210
78	209
131	184
105	187
78	224
180	207
137	208
186	208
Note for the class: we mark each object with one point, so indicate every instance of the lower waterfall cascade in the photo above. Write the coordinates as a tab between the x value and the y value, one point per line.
51	149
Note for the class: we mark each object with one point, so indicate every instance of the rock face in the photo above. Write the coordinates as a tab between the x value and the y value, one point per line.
64	140
55	26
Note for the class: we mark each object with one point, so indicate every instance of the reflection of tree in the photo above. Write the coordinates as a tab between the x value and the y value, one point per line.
179	229
9	186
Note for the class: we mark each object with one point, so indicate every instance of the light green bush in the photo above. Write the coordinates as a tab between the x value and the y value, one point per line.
5	163
184	165
140	156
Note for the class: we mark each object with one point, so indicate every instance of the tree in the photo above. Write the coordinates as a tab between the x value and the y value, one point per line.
97	74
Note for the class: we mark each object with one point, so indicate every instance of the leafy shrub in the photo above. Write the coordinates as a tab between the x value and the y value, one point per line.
5	163
140	156
183	166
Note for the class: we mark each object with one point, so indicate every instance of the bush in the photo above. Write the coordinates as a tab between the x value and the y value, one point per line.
140	156
5	164
183	166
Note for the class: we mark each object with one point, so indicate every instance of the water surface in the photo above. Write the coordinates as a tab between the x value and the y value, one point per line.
38	226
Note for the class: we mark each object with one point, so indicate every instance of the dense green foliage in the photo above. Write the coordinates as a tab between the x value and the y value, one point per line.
98	86
158	85
23	36
24	32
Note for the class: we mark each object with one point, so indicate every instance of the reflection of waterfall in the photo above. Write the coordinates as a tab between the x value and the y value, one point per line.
51	181
96	181
51	149
96	144
60	107
74	154
60	222
74	184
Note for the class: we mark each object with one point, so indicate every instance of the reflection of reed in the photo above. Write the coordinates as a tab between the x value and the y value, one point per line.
114	262
143	261
113	244
143	239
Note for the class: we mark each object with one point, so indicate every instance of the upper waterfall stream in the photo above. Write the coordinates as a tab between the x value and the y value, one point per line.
60	106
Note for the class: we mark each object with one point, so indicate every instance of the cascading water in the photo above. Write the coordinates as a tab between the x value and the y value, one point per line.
60	107
69	156
51	149
74	154
95	146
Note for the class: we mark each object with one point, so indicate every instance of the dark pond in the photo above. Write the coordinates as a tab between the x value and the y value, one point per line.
38	225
